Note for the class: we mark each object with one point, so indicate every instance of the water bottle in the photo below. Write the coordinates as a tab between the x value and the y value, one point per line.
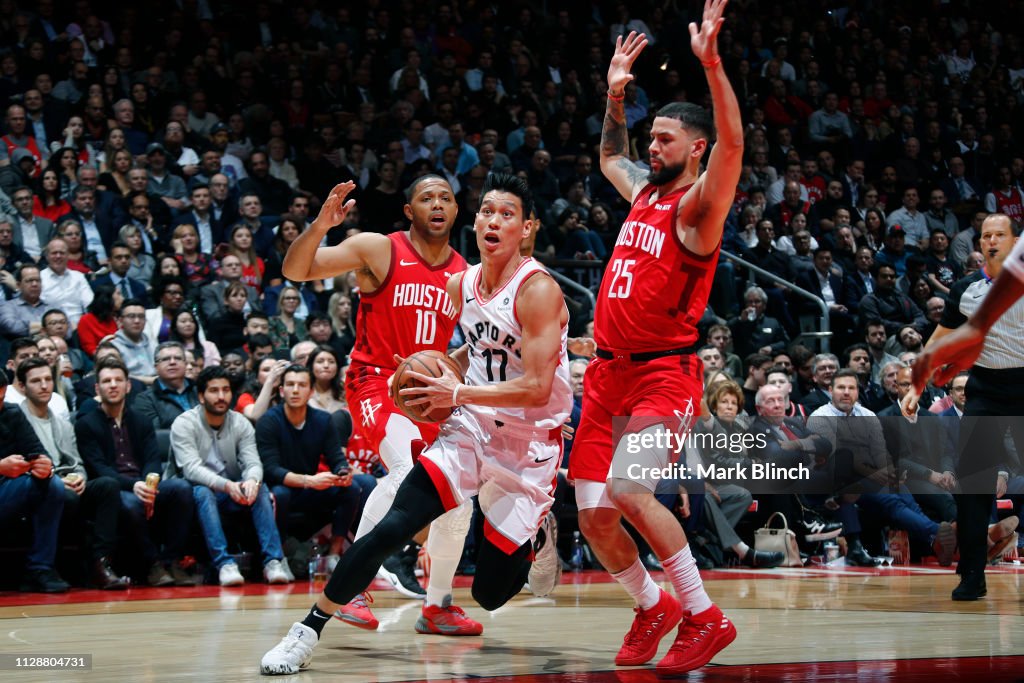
316	564
576	562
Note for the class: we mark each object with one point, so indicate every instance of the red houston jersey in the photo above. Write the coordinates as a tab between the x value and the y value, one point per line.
654	289
410	311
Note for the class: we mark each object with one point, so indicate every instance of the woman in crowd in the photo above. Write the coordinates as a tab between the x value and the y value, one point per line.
226	330
290	228
240	244
198	267
99	320
339	308
115	178
114	143
79	258
261	394
327	382
166	266
65	162
48	201
285	329
872	234
169	293
50	352
187	330
143	264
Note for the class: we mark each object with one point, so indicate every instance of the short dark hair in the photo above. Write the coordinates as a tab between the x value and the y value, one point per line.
258	340
315	317
19	344
822	250
21	269
51	312
513	184
299	368
27	365
111	363
410	191
691	116
756	360
130	302
845	372
208	374
257	315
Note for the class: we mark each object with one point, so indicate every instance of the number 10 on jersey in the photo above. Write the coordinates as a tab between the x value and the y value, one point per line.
426	327
622	278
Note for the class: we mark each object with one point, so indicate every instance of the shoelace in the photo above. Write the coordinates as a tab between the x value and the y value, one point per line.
691	633
362	600
633	635
453	609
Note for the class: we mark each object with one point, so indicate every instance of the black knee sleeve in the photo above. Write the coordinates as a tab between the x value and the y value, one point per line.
499	576
416	505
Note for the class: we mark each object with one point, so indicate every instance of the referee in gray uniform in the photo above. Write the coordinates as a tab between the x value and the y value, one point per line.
995	403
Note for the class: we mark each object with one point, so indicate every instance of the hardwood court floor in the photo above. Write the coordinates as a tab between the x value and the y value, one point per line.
794	624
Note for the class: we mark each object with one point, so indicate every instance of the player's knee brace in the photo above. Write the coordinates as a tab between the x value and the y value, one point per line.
455	522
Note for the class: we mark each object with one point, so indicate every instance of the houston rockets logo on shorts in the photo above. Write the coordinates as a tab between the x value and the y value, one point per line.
368	410
685	416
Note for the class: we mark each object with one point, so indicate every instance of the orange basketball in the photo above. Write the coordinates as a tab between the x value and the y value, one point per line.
425	363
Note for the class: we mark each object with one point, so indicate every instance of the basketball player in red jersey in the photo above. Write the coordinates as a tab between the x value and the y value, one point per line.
403	309
654	291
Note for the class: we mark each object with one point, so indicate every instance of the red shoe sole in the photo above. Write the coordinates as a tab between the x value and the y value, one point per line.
365	625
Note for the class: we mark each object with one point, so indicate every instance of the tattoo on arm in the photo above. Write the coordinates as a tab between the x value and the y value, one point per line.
635	174
614	137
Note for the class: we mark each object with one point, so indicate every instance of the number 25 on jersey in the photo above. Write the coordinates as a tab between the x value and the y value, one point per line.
622	278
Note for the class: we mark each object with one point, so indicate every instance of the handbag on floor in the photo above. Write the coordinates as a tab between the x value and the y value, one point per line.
783	540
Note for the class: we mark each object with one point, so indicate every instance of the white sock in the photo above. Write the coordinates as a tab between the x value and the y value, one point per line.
444	547
682	571
638	583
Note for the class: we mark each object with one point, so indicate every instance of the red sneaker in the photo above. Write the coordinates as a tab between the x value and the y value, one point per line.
357	612
649	627
447	620
700	638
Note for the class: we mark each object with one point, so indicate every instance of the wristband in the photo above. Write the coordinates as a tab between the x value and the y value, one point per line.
714	62
455	394
616	98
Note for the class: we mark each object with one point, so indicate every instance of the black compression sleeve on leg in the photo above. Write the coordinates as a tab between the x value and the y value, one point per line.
416	505
499	576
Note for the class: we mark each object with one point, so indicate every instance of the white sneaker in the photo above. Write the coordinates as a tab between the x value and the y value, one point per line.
273	572
546	570
292	654
230	576
287	570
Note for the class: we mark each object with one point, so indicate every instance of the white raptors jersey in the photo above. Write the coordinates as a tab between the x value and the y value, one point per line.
495	337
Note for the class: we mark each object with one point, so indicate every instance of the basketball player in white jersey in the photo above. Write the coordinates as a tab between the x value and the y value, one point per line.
503	440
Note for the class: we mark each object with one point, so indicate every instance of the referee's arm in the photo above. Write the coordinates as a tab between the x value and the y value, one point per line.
963	346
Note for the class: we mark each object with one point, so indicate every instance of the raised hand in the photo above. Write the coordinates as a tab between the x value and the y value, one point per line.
335	207
704	40
621	66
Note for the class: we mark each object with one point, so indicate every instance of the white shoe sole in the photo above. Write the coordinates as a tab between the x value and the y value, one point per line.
397	585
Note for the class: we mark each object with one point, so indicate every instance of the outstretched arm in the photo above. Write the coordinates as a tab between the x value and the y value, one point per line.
959	349
306	260
717	187
625	175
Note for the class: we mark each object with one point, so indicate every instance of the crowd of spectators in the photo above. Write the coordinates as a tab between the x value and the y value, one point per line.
157	164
